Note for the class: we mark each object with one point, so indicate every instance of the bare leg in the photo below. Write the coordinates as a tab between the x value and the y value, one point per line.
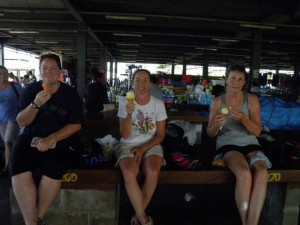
23	183
151	169
130	170
8	146
237	163
47	192
258	194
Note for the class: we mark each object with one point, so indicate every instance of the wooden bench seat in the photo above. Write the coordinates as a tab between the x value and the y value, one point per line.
106	179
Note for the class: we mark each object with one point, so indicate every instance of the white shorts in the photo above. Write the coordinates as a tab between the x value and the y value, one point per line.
9	131
124	150
260	156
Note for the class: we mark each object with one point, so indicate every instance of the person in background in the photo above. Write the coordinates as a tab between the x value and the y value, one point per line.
235	120
255	88
51	114
13	78
96	99
25	81
154	89
9	98
142	127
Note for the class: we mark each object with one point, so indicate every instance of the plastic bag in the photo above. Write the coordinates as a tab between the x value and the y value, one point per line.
192	131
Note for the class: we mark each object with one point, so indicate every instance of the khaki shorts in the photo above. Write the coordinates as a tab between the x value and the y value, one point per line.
124	150
9	131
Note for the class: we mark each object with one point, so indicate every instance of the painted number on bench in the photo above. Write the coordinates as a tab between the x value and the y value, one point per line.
274	177
70	177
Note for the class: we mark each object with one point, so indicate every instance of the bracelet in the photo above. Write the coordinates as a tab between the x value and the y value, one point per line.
34	105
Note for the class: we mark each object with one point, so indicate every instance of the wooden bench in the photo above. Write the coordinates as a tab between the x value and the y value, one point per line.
106	179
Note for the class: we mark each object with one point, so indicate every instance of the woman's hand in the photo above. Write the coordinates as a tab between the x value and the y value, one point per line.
42	97
138	154
130	108
220	119
44	144
237	115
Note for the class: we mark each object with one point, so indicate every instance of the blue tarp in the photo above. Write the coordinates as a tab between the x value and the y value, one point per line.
279	114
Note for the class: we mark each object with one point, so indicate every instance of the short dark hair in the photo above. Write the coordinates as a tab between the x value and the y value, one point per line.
142	70
51	56
236	67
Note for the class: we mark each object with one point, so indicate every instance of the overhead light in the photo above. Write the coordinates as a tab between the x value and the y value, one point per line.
62	49
127	35
115	17
129	55
1	14
46	42
224	40
209	49
128	50
23	32
192	53
278	53
257	26
127	44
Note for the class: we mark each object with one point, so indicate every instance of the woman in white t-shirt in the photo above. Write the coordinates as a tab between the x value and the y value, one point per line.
142	127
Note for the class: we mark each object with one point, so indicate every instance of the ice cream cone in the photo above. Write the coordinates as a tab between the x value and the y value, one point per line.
225	111
130	96
45	86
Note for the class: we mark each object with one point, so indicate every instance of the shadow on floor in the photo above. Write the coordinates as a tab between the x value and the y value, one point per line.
212	205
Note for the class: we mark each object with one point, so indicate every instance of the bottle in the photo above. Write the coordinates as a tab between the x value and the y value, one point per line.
189	197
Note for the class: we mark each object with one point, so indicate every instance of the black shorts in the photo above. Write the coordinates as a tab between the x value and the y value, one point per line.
242	149
52	163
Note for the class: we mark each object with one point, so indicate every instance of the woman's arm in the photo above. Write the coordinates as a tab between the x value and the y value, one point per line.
125	126
126	123
65	132
27	115
216	119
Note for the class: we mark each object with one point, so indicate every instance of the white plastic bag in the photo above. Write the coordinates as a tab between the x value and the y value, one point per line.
192	131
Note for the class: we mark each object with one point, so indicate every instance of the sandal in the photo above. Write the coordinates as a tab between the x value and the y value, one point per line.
41	222
134	221
150	222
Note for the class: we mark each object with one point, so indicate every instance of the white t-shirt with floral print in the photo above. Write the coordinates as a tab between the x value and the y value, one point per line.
144	119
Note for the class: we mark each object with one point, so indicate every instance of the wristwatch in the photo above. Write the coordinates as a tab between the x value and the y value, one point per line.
34	105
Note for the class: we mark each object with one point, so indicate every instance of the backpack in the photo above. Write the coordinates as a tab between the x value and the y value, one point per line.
178	152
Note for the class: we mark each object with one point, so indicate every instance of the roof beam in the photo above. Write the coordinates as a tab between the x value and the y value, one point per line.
78	17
